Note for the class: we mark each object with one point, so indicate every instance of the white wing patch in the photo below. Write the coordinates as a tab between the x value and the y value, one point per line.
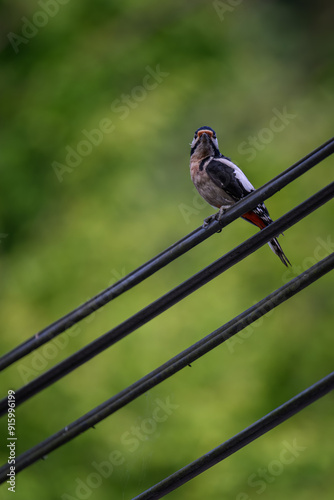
239	175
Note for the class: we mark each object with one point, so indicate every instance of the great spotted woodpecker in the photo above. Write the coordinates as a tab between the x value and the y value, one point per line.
221	183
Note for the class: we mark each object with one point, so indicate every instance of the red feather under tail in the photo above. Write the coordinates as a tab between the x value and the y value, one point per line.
274	245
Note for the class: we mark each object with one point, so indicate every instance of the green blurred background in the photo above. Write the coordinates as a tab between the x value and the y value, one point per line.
70	230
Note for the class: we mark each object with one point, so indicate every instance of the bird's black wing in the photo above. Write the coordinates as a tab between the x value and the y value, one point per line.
225	174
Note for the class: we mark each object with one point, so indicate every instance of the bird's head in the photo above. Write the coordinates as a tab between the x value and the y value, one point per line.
204	143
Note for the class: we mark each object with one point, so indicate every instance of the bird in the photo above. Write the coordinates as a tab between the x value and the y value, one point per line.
222	183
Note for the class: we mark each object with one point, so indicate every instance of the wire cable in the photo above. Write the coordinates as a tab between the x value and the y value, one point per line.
254	431
169	299
171	367
168	255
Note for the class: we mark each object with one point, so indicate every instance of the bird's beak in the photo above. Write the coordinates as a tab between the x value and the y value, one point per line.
208	132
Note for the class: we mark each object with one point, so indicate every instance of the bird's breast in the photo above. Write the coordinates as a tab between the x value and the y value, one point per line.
213	194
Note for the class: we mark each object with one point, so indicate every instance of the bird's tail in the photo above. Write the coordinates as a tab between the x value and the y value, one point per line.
277	249
260	218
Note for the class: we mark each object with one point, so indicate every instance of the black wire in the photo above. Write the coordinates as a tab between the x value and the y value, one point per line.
265	424
171	367
168	255
169	299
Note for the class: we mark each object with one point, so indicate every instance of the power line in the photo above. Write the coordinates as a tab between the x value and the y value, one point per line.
169	299
172	366
254	431
168	255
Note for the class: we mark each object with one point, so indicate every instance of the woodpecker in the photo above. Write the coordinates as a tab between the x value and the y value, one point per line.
221	183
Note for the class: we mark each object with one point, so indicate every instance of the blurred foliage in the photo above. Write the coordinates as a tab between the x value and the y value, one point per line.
69	231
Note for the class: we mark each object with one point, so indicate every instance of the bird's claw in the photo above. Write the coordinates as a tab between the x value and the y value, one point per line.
221	212
218	216
209	219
